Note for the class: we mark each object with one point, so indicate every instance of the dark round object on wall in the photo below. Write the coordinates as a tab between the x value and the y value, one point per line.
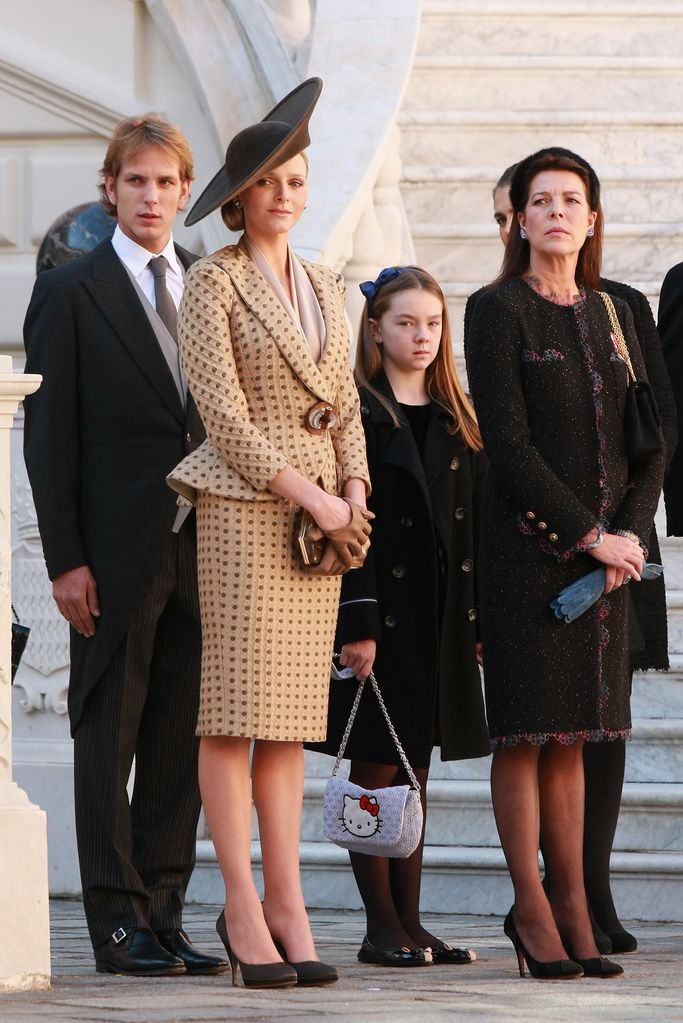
77	231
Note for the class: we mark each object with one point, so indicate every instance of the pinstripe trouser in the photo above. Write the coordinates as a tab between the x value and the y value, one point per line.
136	856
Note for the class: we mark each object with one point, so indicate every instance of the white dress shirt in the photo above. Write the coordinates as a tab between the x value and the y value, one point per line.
136	258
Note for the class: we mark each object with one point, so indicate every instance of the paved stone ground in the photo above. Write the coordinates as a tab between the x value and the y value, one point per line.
489	991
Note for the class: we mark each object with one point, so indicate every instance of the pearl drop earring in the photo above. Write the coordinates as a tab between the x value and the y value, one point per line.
523	235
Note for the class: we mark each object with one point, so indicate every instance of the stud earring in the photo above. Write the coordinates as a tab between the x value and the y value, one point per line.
523	235
237	203
590	232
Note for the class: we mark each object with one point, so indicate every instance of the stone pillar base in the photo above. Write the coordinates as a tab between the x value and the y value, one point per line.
24	906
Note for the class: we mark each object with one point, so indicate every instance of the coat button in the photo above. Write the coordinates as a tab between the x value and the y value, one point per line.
398	571
459	514
542	525
365	410
472	614
391	621
553	537
406	521
467	565
455	463
530	515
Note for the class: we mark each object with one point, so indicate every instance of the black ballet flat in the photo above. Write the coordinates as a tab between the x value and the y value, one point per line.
445	955
369	953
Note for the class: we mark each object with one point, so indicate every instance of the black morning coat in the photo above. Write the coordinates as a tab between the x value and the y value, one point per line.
101	434
429	677
671	331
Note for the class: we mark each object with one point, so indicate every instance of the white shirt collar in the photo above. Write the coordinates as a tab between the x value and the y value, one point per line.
136	257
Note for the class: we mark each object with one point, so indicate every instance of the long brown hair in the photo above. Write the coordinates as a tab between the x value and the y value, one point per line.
517	250
442	380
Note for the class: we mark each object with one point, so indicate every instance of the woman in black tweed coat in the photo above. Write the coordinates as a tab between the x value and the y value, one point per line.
604	763
549	387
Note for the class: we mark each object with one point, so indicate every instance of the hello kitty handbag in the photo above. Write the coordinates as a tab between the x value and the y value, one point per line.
379	822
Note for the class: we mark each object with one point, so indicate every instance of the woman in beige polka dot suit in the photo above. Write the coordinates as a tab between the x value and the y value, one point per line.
265	349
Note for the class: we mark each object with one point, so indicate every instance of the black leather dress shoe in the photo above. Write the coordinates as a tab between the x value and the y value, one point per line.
178	944
136	953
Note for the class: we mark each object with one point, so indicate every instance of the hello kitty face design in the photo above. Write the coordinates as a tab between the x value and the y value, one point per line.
361	816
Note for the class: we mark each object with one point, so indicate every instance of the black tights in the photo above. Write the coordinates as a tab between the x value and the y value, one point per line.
603	764
390	888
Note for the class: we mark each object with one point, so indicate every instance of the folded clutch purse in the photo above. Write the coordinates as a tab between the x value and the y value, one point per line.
309	548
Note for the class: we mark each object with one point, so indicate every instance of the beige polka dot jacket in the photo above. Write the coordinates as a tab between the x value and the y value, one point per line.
253	379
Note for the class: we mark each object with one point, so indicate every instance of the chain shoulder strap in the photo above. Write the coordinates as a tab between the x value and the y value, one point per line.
617	331
349	724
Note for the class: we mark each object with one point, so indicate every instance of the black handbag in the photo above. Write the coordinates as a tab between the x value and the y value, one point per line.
642	423
19	639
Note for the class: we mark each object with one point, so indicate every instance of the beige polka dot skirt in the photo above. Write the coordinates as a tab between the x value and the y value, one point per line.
268	627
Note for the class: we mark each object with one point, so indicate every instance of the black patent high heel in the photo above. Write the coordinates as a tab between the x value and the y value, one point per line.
556	969
255	974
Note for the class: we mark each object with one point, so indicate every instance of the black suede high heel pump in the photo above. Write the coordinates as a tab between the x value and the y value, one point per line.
255	974
556	969
597	966
310	972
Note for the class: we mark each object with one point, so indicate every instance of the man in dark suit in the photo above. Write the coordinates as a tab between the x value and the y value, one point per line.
670	324
112	418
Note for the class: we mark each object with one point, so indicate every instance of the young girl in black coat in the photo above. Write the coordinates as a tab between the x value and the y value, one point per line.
410	612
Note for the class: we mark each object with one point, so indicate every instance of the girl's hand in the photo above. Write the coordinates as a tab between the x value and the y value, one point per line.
620	553
359	656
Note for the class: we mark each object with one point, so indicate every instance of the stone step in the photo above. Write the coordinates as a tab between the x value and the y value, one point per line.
464	194
456	879
494	139
460	813
612	29
482	82
655	752
658	694
459	251
672	559
674	608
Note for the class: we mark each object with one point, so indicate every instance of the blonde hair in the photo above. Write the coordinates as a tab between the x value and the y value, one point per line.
232	211
443	382
134	134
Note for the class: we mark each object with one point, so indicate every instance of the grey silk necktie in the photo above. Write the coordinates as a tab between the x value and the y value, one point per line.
165	305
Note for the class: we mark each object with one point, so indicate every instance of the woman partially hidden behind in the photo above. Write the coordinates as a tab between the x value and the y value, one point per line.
549	384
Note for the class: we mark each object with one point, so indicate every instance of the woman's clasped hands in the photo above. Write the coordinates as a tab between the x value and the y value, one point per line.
348	536
622	557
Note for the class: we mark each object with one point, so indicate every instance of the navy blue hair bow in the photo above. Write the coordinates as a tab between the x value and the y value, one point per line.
370	288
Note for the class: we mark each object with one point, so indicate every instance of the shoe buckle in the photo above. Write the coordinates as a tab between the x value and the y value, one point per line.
118	935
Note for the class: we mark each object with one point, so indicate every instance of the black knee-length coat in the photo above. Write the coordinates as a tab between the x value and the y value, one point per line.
549	391
648	641
427	671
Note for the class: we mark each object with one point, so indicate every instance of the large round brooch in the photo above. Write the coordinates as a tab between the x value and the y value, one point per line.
320	417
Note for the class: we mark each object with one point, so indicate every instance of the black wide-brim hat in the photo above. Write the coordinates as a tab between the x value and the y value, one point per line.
277	138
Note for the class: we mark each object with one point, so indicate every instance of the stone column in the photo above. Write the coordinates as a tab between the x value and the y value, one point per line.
24	909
